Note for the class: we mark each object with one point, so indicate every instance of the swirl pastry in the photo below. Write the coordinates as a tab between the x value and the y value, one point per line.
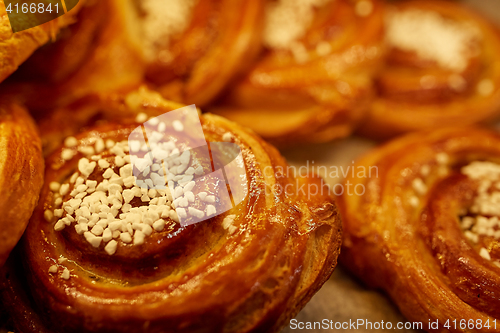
313	82
15	48
442	69
130	265
194	48
21	173
427	228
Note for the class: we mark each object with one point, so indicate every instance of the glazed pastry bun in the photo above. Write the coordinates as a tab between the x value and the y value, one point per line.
442	69
194	49
427	228
313	82
133	259
21	173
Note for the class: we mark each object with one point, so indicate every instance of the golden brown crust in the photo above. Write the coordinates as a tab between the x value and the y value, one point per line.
15	48
404	234
21	173
288	100
419	94
254	279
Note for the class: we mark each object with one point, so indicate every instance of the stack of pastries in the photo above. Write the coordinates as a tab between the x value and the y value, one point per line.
109	241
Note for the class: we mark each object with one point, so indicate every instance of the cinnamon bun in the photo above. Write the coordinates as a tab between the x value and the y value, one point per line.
426	230
314	81
194	48
250	268
442	69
